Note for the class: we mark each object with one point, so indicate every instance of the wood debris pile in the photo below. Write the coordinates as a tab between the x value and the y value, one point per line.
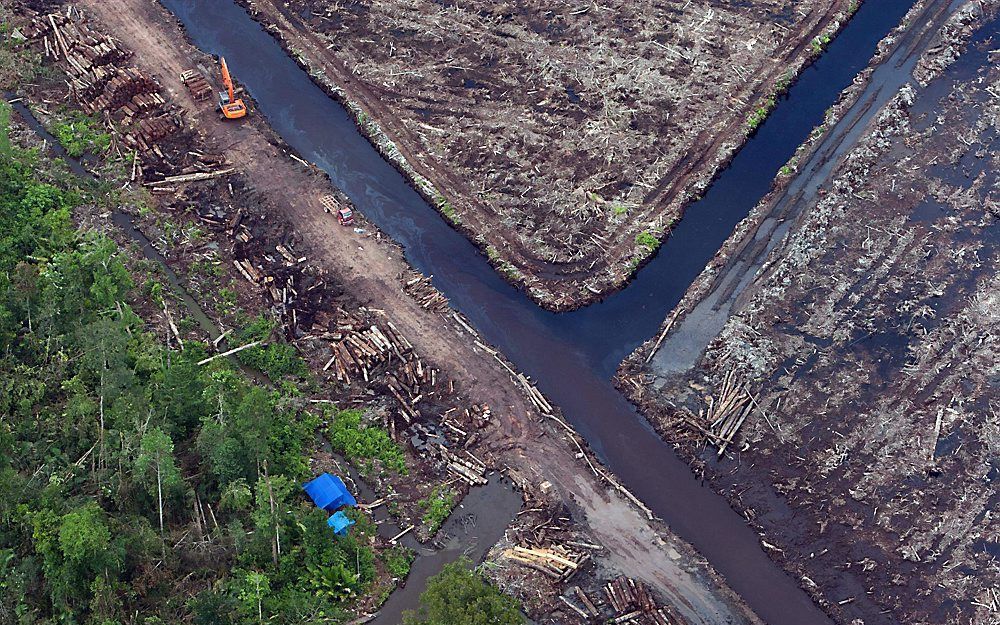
420	288
545	540
726	414
466	466
621	600
555	561
359	349
633	602
100	82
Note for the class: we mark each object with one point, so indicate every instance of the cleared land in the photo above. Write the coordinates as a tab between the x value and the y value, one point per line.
564	140
867	345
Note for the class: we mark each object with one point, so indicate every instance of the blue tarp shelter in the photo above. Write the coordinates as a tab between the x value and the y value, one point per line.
339	522
329	492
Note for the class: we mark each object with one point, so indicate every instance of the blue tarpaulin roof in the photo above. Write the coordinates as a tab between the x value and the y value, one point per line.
339	522
329	492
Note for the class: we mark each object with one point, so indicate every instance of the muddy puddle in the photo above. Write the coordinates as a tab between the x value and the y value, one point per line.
474	526
572	356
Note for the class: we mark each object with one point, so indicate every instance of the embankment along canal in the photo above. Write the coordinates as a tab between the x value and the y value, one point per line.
572	356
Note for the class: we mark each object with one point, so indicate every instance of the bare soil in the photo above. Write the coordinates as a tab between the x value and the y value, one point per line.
554	136
368	270
868	340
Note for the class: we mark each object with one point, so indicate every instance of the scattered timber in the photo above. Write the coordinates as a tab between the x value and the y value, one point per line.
201	175
726	413
420	288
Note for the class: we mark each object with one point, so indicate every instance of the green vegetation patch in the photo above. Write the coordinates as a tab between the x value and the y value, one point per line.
80	134
819	43
17	65
362	443
436	507
5	148
459	595
758	115
277	359
647	241
443	205
398	560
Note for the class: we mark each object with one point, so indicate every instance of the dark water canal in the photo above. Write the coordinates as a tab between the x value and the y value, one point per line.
573	355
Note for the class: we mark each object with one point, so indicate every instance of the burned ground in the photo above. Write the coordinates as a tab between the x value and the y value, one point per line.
563	140
868	348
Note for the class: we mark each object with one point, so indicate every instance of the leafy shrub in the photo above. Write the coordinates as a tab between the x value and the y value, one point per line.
757	117
276	359
446	208
364	442
436	508
647	240
458	595
80	134
398	560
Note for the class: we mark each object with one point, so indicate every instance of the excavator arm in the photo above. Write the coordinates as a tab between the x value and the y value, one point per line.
227	80
231	107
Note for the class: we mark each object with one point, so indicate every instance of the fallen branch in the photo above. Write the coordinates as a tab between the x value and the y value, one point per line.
202	175
663	335
230	352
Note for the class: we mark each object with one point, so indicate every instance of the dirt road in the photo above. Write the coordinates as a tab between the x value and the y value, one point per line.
639	548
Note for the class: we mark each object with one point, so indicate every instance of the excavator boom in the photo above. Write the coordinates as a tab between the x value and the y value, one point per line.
227	80
231	107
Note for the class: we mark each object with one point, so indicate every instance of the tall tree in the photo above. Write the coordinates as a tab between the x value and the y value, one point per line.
155	465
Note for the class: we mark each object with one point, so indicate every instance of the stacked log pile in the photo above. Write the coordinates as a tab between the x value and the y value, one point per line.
632	602
100	81
359	349
555	561
420	288
197	85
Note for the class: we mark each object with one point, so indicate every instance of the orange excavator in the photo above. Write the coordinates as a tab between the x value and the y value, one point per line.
231	107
